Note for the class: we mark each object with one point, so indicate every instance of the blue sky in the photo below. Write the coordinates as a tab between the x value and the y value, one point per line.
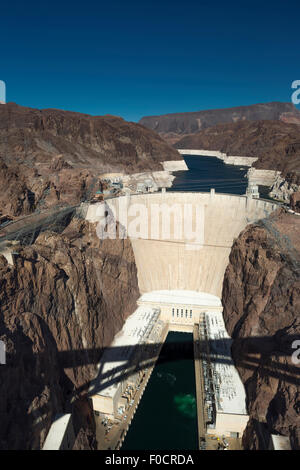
132	58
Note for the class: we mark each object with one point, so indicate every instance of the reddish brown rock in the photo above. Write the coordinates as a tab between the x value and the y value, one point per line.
295	202
53	157
261	298
101	143
58	163
15	194
62	302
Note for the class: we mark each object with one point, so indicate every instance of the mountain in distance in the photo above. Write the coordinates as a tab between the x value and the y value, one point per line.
174	126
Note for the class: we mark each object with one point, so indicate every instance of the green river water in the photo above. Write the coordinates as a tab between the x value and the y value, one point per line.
167	415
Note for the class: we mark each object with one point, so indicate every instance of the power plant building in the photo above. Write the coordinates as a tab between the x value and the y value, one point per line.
181	307
223	394
120	364
225	398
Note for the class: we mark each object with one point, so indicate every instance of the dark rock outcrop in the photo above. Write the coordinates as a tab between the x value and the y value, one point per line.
62	302
261	299
295	202
15	194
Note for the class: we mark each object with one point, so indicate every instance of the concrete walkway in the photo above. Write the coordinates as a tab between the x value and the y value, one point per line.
199	385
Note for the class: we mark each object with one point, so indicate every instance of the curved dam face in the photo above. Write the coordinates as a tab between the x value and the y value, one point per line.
182	240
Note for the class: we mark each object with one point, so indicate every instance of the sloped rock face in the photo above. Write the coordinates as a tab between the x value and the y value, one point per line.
53	157
23	190
105	143
62	302
261	298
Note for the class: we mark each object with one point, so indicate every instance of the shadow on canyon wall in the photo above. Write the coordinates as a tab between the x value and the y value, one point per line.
278	349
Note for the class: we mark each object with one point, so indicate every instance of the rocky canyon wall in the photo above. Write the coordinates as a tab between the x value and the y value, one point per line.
64	299
261	298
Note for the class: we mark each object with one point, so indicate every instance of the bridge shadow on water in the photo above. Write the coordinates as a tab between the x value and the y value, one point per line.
272	355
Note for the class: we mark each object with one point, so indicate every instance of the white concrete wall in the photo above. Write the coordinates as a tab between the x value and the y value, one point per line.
168	264
228	422
262	177
181	308
207	153
9	257
174	165
177	327
103	404
61	434
7	248
239	160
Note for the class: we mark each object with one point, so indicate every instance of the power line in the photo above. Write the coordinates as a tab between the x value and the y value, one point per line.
180	242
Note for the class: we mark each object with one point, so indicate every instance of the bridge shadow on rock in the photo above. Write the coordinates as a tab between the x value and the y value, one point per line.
271	356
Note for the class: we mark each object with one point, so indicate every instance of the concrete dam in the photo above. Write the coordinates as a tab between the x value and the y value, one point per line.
170	260
181	243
